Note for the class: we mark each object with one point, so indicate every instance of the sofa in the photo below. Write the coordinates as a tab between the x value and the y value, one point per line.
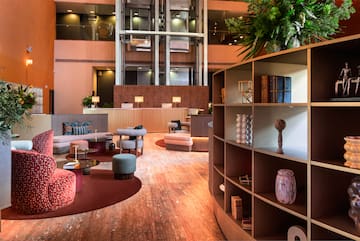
73	127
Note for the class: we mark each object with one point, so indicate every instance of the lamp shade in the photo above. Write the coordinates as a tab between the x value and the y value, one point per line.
176	99
139	99
95	99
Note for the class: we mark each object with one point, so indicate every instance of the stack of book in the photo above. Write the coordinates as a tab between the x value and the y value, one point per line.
236	208
275	89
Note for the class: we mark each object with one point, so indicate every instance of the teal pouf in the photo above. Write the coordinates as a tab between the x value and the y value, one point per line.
123	166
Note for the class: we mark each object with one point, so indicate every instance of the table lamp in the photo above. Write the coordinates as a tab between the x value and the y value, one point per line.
95	100
138	100
176	100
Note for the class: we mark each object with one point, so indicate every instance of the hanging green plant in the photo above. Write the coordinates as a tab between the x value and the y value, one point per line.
274	25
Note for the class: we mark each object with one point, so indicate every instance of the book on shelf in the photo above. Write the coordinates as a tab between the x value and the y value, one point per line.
287	89
275	89
264	88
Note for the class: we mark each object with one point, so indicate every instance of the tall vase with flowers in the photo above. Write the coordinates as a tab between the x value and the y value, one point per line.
15	105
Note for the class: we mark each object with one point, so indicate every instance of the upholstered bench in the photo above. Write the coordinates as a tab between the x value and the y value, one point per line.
124	165
178	141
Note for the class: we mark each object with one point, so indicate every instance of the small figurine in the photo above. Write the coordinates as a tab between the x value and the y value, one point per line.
280	126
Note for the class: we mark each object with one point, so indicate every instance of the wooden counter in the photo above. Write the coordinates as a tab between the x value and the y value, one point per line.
153	119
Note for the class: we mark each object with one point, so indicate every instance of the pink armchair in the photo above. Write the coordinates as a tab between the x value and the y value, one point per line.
37	185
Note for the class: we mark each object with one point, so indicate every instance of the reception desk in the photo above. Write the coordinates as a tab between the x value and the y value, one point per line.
153	119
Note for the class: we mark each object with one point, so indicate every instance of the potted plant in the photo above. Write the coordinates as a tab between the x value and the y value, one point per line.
15	104
273	25
87	101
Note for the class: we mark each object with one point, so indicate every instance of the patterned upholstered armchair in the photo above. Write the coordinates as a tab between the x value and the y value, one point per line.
132	139
42	143
37	185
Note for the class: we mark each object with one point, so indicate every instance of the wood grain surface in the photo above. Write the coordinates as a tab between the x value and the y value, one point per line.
174	203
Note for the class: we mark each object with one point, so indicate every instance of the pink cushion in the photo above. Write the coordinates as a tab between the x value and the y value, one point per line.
43	143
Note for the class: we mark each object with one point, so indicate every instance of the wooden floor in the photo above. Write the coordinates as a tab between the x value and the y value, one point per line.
173	204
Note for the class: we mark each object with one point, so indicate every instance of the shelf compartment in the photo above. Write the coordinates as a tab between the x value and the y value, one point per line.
238	161
321	233
218	83
271	223
297	70
229	226
329	129
233	76
265	171
295	134
218	152
244	146
246	187
218	194
328	184
232	190
230	119
330	59
218	121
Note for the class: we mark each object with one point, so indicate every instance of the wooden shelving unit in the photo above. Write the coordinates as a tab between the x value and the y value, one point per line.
313	143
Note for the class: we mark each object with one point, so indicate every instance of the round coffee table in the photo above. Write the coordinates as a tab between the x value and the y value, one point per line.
83	168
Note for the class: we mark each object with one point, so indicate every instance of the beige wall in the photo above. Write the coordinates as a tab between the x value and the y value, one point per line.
73	75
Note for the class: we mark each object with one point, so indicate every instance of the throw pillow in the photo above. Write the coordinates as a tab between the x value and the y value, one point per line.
178	122
67	128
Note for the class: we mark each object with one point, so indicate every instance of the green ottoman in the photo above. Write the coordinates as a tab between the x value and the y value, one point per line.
124	165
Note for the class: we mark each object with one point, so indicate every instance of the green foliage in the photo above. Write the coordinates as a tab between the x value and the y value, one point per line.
282	24
15	102
87	101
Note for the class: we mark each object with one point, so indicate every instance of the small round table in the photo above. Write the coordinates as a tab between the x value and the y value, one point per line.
82	169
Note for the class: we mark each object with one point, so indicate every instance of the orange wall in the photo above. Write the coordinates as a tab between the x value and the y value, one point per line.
28	23
74	70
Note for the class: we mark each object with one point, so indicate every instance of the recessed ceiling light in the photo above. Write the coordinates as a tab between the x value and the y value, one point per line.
69	10
91	11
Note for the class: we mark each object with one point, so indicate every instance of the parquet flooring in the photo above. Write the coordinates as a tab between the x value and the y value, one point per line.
173	204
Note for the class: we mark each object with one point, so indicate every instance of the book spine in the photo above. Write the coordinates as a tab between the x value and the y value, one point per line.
280	89
272	89
264	89
236	207
287	89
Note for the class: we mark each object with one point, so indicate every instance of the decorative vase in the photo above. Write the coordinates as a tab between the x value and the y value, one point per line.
354	196
352	151
285	186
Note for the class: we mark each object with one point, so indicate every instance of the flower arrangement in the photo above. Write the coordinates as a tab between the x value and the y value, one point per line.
15	104
274	25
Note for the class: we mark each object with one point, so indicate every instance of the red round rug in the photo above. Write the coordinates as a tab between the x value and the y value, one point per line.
160	143
99	189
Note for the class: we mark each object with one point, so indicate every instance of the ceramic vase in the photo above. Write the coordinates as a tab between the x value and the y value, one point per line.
352	151
285	186
354	197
